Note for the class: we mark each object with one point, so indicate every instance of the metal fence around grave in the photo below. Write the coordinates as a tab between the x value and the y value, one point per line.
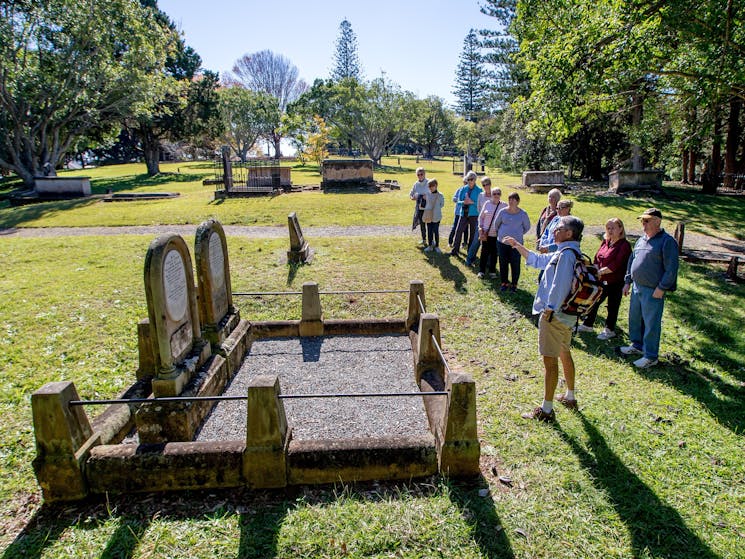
261	176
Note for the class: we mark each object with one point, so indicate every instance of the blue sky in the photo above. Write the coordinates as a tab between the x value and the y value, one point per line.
415	42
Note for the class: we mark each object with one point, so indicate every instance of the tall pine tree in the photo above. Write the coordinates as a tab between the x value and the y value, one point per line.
471	89
346	61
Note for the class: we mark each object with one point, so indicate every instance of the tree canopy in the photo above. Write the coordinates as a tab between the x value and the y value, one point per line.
71	68
346	59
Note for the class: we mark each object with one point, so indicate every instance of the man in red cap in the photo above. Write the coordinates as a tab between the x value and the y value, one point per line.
652	272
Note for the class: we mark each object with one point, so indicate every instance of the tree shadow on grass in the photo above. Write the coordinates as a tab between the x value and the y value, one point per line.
14	217
260	517
656	528
481	514
133	182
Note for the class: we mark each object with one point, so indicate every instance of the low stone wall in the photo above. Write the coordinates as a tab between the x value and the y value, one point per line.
625	181
543	178
63	187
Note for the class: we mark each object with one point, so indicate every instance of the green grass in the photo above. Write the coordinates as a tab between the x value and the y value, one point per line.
653	466
723	215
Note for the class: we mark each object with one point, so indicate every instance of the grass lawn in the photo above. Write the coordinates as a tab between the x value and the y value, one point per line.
723	216
652	466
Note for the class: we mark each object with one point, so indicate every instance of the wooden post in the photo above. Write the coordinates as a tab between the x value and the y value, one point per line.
680	230
732	268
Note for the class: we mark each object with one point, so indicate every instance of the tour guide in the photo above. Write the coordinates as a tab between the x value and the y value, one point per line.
554	327
652	271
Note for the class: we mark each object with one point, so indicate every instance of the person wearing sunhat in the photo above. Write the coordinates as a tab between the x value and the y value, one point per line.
652	271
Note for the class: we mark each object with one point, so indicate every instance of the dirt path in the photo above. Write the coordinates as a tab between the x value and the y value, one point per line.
693	241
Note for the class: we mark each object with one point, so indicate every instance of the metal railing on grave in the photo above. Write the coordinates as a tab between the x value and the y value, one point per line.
254	175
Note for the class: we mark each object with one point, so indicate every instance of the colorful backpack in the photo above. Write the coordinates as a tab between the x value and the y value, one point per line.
587	287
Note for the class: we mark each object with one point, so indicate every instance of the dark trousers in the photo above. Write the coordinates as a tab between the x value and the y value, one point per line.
614	293
489	255
509	259
422	227
466	224
433	233
451	237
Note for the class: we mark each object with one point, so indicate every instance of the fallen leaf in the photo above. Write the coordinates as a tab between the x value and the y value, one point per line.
483	492
521	532
506	481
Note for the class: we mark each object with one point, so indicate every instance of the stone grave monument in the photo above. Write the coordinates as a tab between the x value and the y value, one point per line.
299	251
221	322
177	350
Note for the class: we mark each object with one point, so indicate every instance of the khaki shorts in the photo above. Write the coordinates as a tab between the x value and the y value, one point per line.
553	337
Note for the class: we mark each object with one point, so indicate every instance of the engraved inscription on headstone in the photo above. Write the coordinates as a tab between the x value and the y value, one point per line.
217	261
174	286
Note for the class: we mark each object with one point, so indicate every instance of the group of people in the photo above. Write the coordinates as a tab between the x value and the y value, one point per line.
646	273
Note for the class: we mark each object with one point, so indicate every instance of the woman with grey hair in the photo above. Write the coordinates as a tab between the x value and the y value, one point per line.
547	214
468	196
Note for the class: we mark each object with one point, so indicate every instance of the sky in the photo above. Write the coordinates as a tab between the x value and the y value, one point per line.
416	43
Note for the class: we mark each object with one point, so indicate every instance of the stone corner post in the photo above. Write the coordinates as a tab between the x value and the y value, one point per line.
427	356
460	451
416	294
264	462
311	322
64	438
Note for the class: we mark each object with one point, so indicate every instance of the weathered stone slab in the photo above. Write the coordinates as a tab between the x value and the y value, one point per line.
555	178
66	187
347	174
625	181
299	251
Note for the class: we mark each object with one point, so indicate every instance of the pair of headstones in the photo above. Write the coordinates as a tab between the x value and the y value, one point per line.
185	323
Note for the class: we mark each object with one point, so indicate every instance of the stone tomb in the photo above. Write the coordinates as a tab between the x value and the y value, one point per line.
76	458
543	181
347	174
300	251
628	181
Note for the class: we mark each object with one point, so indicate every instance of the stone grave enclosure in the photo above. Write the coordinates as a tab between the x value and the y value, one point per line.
177	426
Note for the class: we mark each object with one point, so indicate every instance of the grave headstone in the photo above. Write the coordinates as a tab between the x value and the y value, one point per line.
299	251
175	333
217	314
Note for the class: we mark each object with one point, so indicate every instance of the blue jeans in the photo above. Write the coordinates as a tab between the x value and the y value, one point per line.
645	320
472	250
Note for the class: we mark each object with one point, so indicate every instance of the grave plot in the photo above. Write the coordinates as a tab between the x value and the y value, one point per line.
221	401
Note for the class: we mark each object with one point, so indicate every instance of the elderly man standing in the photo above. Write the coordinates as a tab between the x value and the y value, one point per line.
652	271
554	327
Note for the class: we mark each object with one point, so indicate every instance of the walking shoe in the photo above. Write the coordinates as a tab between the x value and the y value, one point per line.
480	275
437	250
468	262
606	334
453	253
629	350
583	328
645	363
428	249
566	402
513	288
504	287
540	415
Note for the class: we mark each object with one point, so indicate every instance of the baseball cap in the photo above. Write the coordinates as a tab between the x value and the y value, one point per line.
654	212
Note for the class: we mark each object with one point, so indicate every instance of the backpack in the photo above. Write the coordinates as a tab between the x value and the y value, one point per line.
586	290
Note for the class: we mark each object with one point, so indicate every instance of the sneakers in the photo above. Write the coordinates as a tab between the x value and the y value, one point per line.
513	288
504	287
606	334
629	350
480	275
566	402
645	363
468	262
540	415
428	249
583	328
437	250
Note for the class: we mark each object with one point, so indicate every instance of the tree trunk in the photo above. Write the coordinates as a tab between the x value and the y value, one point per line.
692	166
151	151
637	163
710	178
731	144
684	178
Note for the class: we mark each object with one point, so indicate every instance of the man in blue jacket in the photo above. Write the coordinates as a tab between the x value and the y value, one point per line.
554	326
652	272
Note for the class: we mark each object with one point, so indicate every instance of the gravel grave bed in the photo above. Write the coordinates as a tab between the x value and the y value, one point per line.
322	365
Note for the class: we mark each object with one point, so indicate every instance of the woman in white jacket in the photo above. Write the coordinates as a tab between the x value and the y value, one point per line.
433	216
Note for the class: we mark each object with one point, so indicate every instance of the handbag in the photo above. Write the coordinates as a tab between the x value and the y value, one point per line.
427	216
484	233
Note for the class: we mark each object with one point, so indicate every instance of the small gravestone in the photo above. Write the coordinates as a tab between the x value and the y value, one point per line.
178	349
299	251
217	314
